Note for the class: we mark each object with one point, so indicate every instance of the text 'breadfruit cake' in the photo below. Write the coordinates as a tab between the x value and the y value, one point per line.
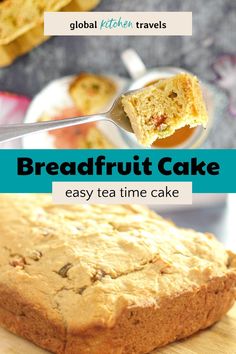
157	111
96	279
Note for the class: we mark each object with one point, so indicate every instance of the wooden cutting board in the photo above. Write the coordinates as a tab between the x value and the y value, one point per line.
219	339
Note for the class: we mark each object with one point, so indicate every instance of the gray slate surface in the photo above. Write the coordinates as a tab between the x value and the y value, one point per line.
214	24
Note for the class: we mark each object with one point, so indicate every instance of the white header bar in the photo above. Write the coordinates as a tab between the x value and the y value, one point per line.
118	23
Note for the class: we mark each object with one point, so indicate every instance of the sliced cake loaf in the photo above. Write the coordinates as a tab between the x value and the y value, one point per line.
19	16
21	31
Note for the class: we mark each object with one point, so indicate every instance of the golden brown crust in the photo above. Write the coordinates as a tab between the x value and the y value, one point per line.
142	329
31	321
106	279
138	330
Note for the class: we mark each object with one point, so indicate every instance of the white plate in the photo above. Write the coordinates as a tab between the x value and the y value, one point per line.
53	98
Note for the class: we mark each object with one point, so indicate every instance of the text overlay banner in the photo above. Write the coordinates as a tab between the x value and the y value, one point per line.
122	193
118	23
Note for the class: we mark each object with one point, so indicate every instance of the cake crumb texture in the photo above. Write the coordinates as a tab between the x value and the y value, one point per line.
157	111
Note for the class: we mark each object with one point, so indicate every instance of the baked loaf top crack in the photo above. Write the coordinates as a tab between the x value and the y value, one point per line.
98	260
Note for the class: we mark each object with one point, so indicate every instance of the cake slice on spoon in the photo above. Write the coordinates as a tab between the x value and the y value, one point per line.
158	110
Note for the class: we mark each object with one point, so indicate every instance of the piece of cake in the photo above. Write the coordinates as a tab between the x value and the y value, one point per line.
157	111
19	16
99	279
21	45
20	34
91	93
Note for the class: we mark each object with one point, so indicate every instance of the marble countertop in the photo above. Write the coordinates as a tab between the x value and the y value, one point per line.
213	23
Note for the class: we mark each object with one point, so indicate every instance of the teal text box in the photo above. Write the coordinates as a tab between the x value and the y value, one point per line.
224	182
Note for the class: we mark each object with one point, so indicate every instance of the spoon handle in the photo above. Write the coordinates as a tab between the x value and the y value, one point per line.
13	131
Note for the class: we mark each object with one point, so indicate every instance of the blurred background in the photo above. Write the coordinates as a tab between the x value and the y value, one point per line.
217	217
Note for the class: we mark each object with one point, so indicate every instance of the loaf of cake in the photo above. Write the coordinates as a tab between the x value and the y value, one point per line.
91	92
106	279
157	111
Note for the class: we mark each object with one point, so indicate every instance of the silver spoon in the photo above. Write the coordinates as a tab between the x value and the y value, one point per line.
116	115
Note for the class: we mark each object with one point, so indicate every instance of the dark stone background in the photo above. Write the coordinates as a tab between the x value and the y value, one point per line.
214	21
